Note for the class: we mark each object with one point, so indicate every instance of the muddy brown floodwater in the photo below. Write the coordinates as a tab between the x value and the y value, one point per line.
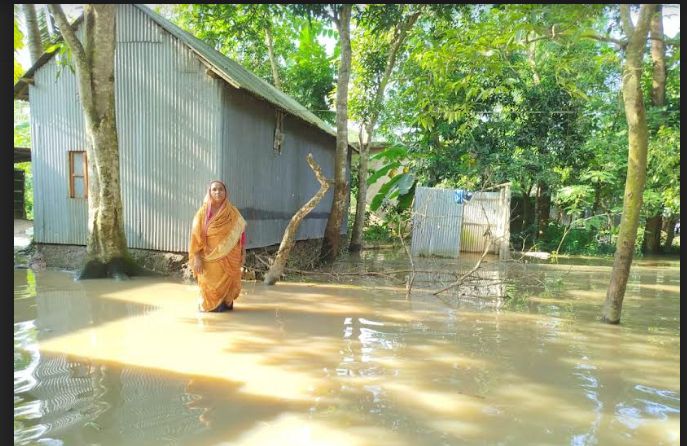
515	358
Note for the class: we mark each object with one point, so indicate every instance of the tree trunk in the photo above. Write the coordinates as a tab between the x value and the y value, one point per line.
272	57
34	34
526	207
532	58
670	232
359	222
597	198
637	155
106	248
658	57
652	231
652	235
543	208
332	237
361	203
289	237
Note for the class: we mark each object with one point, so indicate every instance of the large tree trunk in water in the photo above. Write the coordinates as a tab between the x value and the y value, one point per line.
652	230
332	236
289	237
636	163
34	34
106	247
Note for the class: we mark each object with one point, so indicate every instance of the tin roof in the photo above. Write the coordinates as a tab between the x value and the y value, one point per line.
225	68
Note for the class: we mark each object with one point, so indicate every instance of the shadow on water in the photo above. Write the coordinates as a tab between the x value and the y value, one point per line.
351	362
80	401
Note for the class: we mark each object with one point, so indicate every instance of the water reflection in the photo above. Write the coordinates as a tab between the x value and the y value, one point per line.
100	362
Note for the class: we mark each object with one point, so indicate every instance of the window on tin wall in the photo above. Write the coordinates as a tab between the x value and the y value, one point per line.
78	174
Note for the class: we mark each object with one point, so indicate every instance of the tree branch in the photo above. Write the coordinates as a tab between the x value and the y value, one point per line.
626	20
68	34
620	42
83	71
289	238
474	268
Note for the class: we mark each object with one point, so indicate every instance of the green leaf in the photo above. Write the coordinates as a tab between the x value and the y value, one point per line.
384	192
391	153
406	200
405	183
382	171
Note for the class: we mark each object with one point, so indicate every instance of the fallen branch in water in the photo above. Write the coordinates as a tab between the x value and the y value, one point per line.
387	274
411	279
487	247
275	271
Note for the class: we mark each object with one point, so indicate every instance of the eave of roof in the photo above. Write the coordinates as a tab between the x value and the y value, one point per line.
226	69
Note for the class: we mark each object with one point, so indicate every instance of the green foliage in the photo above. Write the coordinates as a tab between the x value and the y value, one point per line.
574	199
400	182
309	74
580	240
378	233
22	138
240	30
22	128
398	185
18	45
28	188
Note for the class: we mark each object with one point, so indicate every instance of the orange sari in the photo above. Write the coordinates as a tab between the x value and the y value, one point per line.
217	239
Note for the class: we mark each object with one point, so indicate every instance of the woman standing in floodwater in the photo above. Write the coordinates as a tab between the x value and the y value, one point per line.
217	249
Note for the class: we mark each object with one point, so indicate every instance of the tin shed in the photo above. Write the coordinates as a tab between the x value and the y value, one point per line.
445	223
186	114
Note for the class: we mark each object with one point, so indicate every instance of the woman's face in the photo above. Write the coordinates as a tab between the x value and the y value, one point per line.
217	193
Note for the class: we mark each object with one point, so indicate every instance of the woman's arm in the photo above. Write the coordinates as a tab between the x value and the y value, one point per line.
198	262
196	244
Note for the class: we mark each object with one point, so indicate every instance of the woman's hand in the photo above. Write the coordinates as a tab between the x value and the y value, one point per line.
197	265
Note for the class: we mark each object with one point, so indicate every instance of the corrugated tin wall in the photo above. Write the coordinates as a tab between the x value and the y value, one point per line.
487	210
56	128
169	123
442	227
436	222
269	186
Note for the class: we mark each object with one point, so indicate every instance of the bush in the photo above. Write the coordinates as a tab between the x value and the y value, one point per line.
582	240
28	188
378	234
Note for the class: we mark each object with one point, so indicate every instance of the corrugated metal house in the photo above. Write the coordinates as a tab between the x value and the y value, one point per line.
186	114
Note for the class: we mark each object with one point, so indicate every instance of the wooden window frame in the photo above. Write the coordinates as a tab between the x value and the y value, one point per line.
72	175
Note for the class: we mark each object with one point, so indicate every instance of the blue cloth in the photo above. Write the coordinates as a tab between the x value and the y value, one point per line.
462	196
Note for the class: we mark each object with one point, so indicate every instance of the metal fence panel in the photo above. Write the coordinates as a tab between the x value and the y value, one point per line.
486	219
437	222
442	227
